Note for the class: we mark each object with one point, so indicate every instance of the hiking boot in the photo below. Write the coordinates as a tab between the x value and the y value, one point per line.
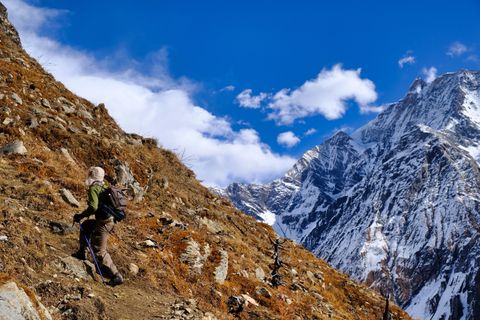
116	280
80	255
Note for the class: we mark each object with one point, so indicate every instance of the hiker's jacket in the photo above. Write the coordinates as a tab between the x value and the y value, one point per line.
94	198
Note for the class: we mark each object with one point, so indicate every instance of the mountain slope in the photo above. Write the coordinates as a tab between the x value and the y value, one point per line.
184	251
396	204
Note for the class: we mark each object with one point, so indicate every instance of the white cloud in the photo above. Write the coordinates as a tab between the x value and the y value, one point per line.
310	131
156	106
456	49
228	88
246	100
430	74
372	109
326	95
408	59
288	139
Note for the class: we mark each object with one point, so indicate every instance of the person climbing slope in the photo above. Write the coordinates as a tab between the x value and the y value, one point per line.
98	229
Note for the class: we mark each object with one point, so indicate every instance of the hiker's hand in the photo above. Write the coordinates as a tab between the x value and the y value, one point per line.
77	218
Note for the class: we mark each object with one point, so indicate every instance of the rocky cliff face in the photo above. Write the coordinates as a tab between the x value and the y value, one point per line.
396	203
185	253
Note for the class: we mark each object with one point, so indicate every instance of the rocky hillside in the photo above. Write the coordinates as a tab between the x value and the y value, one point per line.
396	203
185	253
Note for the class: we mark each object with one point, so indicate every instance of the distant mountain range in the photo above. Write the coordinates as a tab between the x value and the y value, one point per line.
396	203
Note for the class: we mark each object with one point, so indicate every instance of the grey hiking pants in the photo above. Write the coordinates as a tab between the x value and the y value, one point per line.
97	232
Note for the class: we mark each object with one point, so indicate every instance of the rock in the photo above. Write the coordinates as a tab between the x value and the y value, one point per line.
193	257
249	300
3	238
32	123
293	273
7	121
73	129
262	291
221	270
69	198
67	155
133	268
61	227
149	243
43	120
67	106
6	110
82	112
15	147
74	267
124	177
2	96
310	276
15	304
45	103
16	98
260	274
89	130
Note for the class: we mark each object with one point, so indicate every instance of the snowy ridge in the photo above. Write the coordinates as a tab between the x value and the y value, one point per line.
396	203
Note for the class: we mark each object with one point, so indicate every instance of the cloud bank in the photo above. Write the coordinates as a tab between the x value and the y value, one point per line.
327	95
157	106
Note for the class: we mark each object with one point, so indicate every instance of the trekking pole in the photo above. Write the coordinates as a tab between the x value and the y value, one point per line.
91	252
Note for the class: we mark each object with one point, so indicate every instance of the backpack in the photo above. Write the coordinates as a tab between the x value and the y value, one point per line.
115	203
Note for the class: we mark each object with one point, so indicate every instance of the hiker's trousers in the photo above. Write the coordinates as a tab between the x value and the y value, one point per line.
97	231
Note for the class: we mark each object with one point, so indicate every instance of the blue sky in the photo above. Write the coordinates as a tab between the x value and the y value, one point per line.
203	54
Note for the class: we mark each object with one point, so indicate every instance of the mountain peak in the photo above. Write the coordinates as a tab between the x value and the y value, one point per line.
417	86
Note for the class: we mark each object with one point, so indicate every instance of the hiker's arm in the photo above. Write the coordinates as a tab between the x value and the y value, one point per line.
93	194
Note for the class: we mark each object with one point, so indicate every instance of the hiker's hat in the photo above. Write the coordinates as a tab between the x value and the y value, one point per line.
95	174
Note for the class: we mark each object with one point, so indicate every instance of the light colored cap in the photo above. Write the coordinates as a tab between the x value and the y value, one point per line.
95	174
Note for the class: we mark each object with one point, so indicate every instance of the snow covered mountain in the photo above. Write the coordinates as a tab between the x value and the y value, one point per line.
395	204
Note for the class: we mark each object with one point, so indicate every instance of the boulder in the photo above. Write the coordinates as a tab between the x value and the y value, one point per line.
7	121
15	97
149	243
133	268
61	227
262	291
74	267
193	257
69	198
260	274
45	103
66	106
221	270
32	123
15	304
15	147
124	177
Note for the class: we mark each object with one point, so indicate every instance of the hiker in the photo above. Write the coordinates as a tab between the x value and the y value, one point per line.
97	230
